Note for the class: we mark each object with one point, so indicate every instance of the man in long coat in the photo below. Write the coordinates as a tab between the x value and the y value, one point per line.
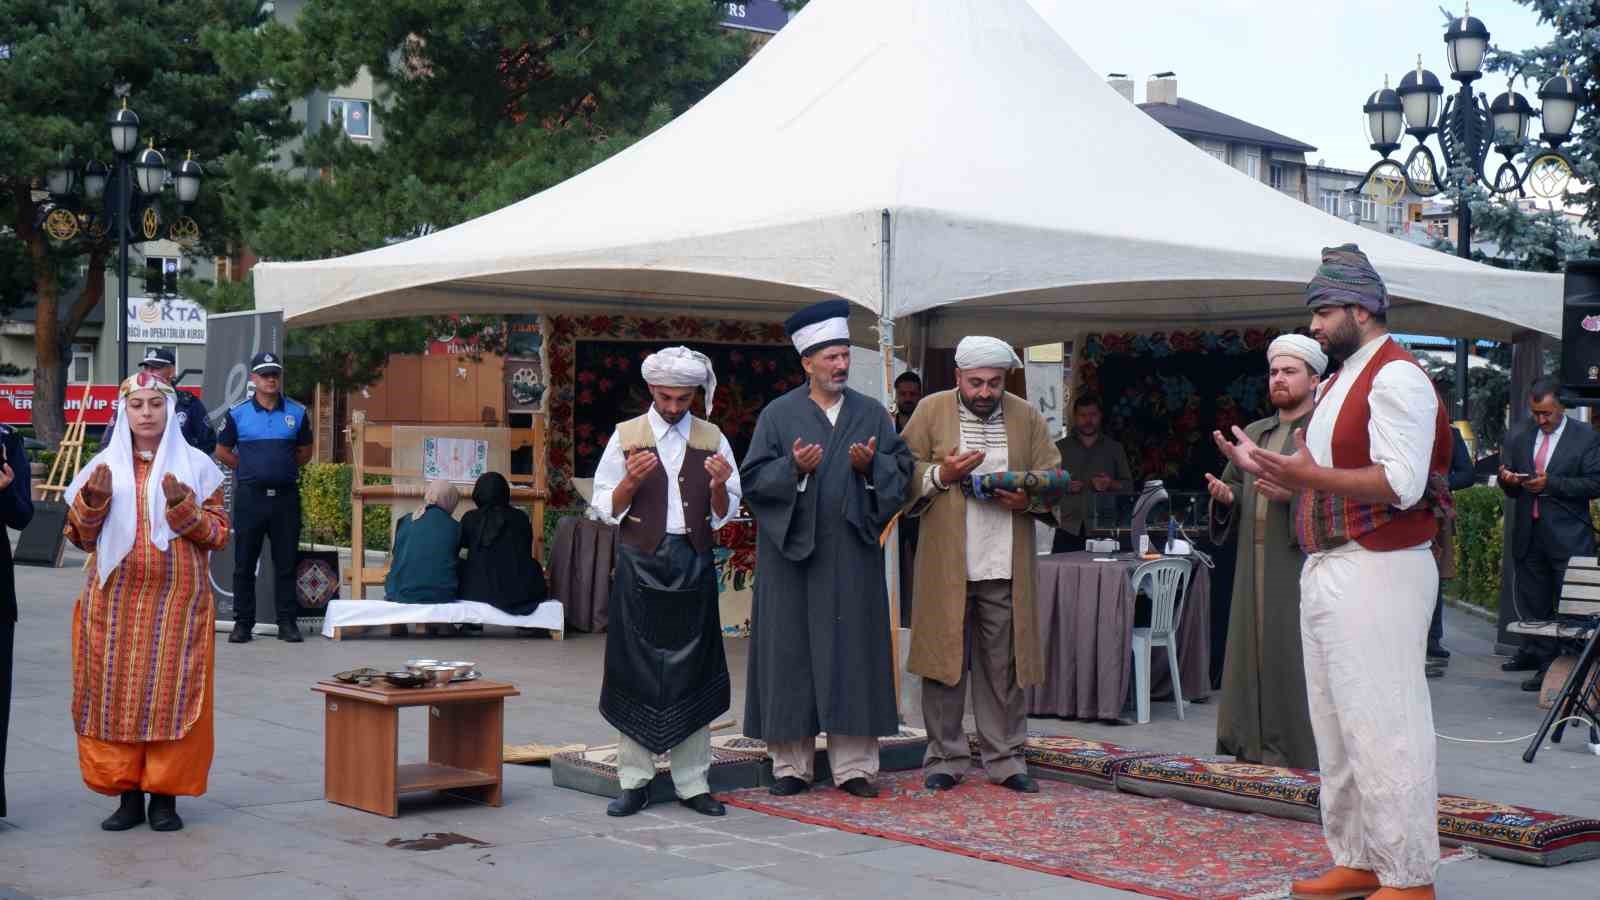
824	476
1263	717
974	607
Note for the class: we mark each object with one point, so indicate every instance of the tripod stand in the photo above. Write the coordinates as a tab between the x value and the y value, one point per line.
1577	695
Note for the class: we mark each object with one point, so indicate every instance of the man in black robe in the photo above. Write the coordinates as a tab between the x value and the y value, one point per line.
16	511
825	474
668	480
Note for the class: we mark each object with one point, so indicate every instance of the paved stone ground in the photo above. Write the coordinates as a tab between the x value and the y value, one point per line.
264	831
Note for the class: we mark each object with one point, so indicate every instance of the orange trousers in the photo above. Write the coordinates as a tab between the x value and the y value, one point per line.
179	767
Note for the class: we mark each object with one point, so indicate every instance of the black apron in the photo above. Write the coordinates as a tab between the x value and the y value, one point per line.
666	675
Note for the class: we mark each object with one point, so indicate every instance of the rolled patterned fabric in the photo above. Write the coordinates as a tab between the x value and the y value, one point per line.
1046	485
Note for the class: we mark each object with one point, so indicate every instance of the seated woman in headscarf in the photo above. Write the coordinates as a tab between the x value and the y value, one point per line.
149	511
422	568
499	569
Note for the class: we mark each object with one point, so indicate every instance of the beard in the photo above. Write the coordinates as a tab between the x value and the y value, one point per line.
980	407
834	386
671	418
1284	398
1343	341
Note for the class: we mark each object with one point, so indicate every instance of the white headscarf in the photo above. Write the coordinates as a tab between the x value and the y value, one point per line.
680	367
190	466
979	352
1300	347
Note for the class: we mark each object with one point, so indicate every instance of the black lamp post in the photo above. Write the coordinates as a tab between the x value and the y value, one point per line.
1469	126
136	182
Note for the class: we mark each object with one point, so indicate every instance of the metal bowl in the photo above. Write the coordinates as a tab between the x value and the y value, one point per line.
416	666
405	679
463	667
439	676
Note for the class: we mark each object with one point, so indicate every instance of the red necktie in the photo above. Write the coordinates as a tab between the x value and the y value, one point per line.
1539	460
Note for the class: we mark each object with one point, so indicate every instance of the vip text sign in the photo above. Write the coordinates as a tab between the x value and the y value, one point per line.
16	403
168	320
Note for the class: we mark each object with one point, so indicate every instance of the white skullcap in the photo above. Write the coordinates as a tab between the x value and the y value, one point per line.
1300	347
680	367
979	352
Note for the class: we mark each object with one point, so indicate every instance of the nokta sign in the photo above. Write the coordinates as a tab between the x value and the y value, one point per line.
169	320
754	15
16	403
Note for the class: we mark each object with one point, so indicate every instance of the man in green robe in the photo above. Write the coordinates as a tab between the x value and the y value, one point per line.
1263	716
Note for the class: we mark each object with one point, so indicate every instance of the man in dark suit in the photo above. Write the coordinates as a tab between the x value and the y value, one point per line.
16	511
1552	471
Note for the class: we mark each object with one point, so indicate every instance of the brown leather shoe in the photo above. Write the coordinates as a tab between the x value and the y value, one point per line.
1425	892
1339	883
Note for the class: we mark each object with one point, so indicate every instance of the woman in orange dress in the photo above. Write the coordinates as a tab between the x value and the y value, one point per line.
149	511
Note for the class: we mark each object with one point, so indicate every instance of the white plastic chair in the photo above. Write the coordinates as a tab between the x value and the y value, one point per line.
1167	580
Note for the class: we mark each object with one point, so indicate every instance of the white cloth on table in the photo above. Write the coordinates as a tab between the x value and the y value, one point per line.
690	761
1364	620
672	442
1405	408
355	613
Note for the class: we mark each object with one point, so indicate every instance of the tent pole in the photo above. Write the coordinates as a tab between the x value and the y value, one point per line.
891	554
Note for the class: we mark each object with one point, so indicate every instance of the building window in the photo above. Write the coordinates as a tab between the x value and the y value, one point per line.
82	371
354	116
1220	153
1396	216
160	276
1252	166
1365	209
1278	176
1330	202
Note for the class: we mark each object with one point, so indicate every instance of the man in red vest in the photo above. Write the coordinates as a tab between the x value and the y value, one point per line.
1369	485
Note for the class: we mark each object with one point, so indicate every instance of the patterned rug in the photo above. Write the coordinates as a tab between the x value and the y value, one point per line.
1163	848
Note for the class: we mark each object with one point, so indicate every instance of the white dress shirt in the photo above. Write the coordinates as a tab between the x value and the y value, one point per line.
1405	409
672	442
988	523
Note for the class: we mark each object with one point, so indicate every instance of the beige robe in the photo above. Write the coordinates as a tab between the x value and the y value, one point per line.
938	610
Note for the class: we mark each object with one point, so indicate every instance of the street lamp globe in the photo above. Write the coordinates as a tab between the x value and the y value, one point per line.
61	177
124	124
189	176
94	179
1558	107
1419	93
1510	112
1465	42
150	169
1385	114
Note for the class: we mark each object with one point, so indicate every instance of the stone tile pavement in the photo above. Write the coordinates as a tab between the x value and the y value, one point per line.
263	830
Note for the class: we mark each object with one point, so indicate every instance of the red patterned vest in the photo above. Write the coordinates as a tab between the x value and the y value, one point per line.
1324	521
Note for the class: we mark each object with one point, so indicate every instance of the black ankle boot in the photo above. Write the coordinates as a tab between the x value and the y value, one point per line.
129	814
164	813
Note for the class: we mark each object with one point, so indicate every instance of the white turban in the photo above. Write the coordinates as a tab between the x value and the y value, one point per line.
680	367
1300	347
979	352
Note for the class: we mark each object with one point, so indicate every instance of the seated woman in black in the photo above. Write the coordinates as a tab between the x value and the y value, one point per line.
499	569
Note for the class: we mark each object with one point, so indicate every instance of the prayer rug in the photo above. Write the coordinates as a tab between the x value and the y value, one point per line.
1517	833
1220	781
1163	848
1064	758
594	771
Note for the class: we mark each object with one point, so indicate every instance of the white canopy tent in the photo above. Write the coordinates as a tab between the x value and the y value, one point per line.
947	157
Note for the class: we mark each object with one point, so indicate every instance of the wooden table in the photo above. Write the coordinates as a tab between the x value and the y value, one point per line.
361	742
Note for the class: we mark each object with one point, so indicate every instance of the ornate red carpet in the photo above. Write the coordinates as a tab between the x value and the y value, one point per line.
1164	848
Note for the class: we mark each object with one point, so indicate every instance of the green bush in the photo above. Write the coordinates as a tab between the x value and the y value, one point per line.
326	510
1480	539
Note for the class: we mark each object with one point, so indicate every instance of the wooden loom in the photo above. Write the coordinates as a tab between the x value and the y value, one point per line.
531	491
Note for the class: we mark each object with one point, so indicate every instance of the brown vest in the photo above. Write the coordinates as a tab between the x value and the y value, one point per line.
646	521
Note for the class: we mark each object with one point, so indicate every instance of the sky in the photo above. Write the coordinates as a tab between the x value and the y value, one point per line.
1299	68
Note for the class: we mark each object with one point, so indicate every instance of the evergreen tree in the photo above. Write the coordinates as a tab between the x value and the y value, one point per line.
68	63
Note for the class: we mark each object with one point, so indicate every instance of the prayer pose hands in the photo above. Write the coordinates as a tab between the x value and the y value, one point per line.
957	466
808	456
1277	476
176	491
861	455
1219	489
640	464
97	490
719	470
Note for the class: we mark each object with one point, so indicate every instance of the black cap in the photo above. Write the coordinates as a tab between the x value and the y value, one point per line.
158	356
266	363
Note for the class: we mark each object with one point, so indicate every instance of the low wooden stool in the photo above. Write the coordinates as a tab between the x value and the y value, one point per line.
361	742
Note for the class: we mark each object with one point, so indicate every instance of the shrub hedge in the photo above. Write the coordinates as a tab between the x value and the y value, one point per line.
326	512
1480	542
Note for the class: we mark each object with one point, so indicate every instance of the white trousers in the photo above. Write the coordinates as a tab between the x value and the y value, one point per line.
1364	626
690	761
849	756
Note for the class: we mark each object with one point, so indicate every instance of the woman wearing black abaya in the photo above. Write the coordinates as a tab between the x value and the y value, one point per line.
499	569
16	510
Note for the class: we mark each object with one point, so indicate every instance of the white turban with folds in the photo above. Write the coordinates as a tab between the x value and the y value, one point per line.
1300	347
979	352
680	367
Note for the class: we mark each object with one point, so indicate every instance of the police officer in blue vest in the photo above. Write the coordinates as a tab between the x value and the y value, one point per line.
192	416
265	440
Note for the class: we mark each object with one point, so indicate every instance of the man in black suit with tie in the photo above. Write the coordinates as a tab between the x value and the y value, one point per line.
1552	471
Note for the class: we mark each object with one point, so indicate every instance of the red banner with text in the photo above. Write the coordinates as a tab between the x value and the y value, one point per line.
16	403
